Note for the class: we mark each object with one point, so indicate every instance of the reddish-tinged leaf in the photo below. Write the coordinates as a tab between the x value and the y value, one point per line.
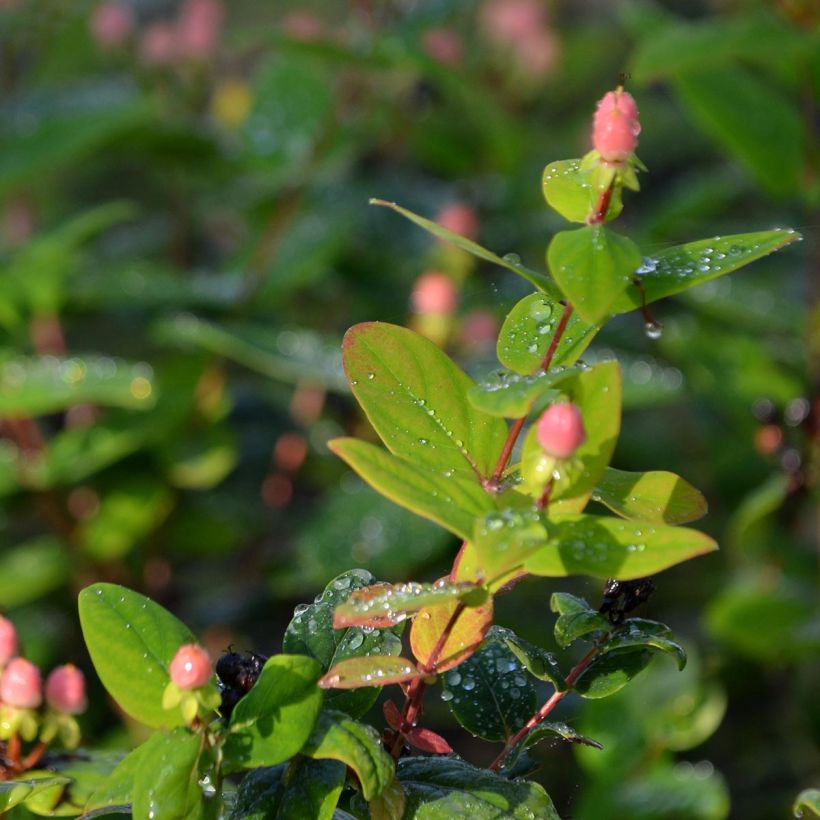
376	670
428	741
392	714
465	637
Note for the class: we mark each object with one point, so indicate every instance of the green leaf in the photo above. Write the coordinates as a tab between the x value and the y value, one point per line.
681	267
388	604
510	261
132	642
529	328
597	392
511	395
610	672
657	496
118	789
337	737
576	618
30	570
593	266
273	721
645	634
166	780
445	788
807	803
489	694
15	792
612	548
381	670
311	633
537	661
35	386
303	788
202	459
569	190
451	499
416	399
547	731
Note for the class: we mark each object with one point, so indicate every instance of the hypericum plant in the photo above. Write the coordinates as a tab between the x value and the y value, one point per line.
291	724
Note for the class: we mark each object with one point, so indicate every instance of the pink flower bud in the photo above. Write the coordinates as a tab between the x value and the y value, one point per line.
65	690
191	667
506	22
434	293
615	126
199	27
111	24
459	218
444	45
21	685
9	646
560	430
158	45
304	26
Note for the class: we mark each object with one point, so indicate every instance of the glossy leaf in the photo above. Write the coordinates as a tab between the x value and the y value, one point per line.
657	496
465	637
311	633
592	266
807	804
451	499
610	672
528	331
388	604
569	190
597	393
373	670
547	731
428	741
576	618
166	780
416	399
511	395
681	267
273	721
132	642
489	693
537	661
35	386
15	792
639	632
337	737
612	548
442	789
118	789
510	261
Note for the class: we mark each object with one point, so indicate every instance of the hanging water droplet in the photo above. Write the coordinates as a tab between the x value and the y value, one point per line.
653	330
512	258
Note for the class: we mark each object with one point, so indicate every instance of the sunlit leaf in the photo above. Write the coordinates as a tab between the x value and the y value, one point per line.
372	670
569	190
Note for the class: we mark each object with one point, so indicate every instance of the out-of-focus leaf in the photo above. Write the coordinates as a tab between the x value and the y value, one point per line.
31	570
807	803
201	461
15	792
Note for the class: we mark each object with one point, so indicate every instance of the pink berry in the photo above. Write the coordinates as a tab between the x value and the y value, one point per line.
434	293
199	27
615	126
158	45
21	685
191	667
9	646
65	690
444	45
507	22
560	430
112	24
304	26
459	218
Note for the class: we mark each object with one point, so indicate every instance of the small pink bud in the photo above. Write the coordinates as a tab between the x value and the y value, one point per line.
199	27
158	45
65	690
507	22
21	685
111	24
444	45
191	667
538	53
615	126
9	646
459	218
434	293
304	26
560	430
479	327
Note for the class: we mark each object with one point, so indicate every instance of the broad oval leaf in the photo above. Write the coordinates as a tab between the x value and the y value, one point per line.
537	661
656	496
338	737
31	386
611	672
132	642
311	633
681	267
612	548
465	637
528	330
451	499
569	190
576	618
166	780
442	789
547	731
373	670
593	266
642	633
388	604
15	792
118	789
273	721
489	693
416	399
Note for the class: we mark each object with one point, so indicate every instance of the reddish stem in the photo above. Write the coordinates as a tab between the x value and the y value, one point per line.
33	757
556	338
542	713
599	214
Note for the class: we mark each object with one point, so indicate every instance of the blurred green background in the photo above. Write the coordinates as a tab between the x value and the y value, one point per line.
185	237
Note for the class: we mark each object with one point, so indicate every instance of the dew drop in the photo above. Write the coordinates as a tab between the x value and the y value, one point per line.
653	330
